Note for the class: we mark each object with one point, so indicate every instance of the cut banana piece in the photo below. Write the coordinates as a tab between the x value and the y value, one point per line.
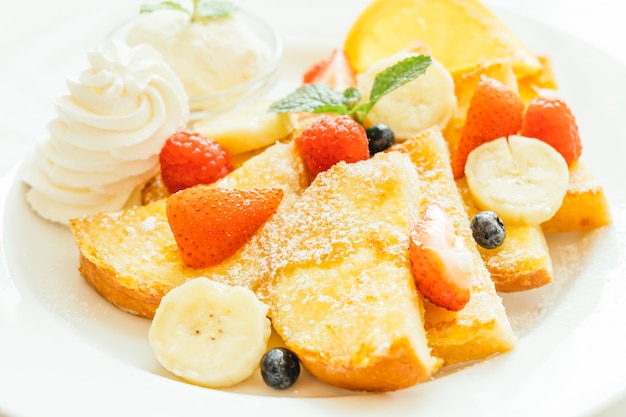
522	179
425	102
247	128
210	334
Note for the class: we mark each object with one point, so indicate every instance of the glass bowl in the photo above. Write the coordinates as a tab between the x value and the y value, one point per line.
220	100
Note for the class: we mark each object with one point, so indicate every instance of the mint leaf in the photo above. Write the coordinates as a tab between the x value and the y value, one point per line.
166	5
320	98
399	74
312	98
213	9
202	10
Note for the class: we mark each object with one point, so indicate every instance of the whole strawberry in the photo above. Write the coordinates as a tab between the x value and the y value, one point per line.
551	120
211	223
188	159
332	139
495	110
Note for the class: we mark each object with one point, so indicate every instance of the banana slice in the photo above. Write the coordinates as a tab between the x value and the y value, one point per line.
210	334
522	179
424	102
246	128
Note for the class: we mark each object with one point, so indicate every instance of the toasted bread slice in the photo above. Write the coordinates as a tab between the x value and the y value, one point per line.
523	260
481	328
131	258
585	205
342	296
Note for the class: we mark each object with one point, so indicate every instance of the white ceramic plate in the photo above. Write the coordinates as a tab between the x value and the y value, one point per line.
66	351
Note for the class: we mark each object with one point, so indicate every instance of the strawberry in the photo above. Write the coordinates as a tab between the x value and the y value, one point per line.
495	110
211	223
335	72
441	264
551	120
329	140
188	158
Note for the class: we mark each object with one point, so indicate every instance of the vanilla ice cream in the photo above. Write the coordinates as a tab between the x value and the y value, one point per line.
208	57
105	143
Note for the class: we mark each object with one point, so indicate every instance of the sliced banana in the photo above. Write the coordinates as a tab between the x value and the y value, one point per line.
425	102
210	334
246	128
522	179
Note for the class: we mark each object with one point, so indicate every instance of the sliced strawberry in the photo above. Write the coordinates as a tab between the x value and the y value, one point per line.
329	140
551	120
188	159
441	264
335	71
211	223
495	110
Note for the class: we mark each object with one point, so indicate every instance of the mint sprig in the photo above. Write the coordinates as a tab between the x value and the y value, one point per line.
201	11
320	98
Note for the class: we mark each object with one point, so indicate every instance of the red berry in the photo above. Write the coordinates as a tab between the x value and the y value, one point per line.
335	72
551	120
188	159
441	264
211	223
332	139
495	110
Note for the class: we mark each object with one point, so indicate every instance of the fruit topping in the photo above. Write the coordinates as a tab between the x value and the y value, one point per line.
551	120
320	98
211	223
440	262
246	128
280	368
335	72
488	229
522	179
210	334
422	103
494	111
189	158
380	138
332	139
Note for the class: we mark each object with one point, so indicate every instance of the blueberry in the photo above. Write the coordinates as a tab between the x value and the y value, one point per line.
488	229
380	138
280	368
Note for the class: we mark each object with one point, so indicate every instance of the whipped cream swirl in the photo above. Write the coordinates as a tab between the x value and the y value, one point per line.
105	143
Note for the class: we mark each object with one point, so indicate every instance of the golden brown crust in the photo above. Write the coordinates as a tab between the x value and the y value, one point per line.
141	301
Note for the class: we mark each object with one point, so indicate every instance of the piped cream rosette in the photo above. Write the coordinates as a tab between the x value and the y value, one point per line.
105	143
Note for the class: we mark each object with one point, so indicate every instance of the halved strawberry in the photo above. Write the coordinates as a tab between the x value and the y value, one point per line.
495	110
212	223
329	140
551	120
441	264
189	158
335	71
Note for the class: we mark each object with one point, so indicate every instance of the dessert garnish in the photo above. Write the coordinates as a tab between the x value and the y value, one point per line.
321	98
201	11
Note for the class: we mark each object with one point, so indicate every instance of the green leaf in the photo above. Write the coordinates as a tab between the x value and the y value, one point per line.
312	98
320	98
213	9
399	74
166	5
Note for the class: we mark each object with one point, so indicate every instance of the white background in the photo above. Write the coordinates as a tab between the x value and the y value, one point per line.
597	22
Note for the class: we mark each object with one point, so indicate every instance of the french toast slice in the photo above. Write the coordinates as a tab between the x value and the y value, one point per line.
342	295
131	258
523	260
584	206
481	329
